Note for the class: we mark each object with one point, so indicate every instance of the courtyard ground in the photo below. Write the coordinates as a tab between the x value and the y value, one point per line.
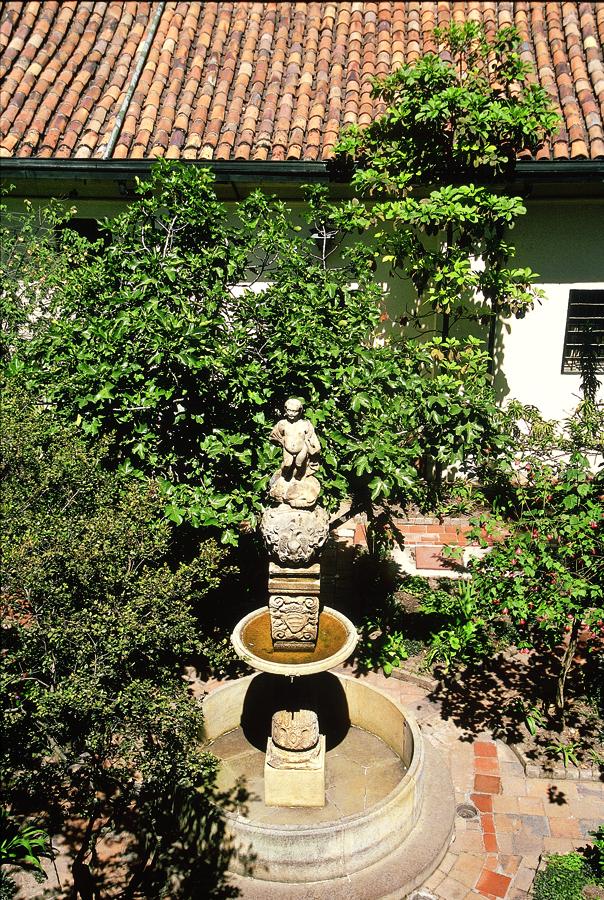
493	854
496	853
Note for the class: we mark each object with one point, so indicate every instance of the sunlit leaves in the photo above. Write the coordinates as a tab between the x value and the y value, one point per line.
453	123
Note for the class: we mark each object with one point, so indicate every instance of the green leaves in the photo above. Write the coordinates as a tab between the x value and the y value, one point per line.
22	845
542	581
183	376
452	126
102	605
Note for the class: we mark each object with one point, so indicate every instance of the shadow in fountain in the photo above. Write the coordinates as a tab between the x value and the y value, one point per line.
267	694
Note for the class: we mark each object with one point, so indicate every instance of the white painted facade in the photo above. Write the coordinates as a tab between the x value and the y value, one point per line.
563	241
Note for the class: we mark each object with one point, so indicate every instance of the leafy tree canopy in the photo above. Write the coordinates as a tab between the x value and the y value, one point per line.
182	340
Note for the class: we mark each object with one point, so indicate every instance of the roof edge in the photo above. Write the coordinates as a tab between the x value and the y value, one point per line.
253	171
116	169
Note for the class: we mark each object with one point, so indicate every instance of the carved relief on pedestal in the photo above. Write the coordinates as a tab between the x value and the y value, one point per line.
295	742
294	536
294	620
297	730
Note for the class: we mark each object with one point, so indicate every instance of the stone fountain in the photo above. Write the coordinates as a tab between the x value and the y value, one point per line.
347	799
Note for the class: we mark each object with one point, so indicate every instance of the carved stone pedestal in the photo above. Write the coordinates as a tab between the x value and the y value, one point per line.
294	606
294	769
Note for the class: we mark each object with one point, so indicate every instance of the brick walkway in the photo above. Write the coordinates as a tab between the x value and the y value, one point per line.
496	853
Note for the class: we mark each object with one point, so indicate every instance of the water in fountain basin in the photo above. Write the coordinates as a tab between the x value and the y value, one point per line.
256	636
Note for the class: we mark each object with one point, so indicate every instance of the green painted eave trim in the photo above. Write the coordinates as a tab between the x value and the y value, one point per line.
254	171
585	170
118	170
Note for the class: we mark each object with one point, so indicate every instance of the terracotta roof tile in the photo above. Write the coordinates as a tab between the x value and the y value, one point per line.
258	80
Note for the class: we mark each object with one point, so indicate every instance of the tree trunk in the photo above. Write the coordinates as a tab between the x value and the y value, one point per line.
84	882
446	316
567	661
145	864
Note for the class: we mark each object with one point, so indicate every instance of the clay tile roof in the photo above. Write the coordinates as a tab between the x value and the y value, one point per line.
136	79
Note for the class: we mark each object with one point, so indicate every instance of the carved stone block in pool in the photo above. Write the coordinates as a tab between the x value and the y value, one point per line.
294	784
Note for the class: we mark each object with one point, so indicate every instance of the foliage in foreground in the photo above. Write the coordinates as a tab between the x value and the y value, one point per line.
565	876
454	122
542	582
22	846
152	344
98	618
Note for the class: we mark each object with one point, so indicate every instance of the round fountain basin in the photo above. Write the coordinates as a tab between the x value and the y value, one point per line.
304	846
336	640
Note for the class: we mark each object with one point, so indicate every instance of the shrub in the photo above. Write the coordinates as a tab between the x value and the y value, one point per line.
565	876
99	614
542	583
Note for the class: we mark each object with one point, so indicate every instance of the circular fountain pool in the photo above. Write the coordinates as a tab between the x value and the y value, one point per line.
370	817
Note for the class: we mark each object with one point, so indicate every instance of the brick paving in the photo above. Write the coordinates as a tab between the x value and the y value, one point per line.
496	853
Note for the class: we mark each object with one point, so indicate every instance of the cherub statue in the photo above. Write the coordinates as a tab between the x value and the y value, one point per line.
294	483
300	443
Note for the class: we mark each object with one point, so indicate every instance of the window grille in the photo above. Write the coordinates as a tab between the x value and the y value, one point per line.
584	338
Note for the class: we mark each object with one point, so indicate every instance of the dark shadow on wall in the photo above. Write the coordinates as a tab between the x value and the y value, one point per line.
500	382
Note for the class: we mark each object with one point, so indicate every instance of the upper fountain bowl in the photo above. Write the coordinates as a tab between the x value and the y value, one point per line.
336	640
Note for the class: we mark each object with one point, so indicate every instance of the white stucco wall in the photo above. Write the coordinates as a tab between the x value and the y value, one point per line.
532	355
564	242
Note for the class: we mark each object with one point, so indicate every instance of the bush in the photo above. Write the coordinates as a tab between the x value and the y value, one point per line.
564	877
99	613
540	584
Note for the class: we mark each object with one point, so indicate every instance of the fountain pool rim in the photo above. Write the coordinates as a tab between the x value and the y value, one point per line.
294	669
303	853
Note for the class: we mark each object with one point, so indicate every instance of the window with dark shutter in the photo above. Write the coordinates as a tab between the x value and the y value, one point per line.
584	338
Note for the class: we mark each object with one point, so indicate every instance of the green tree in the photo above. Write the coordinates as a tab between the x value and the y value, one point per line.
99	615
453	126
38	254
186	335
541	584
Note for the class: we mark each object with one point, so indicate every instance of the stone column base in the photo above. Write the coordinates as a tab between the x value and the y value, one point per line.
296	785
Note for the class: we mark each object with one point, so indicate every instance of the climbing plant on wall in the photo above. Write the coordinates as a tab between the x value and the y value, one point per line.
435	166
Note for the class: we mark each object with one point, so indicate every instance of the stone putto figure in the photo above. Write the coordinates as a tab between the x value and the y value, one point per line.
295	529
294	482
